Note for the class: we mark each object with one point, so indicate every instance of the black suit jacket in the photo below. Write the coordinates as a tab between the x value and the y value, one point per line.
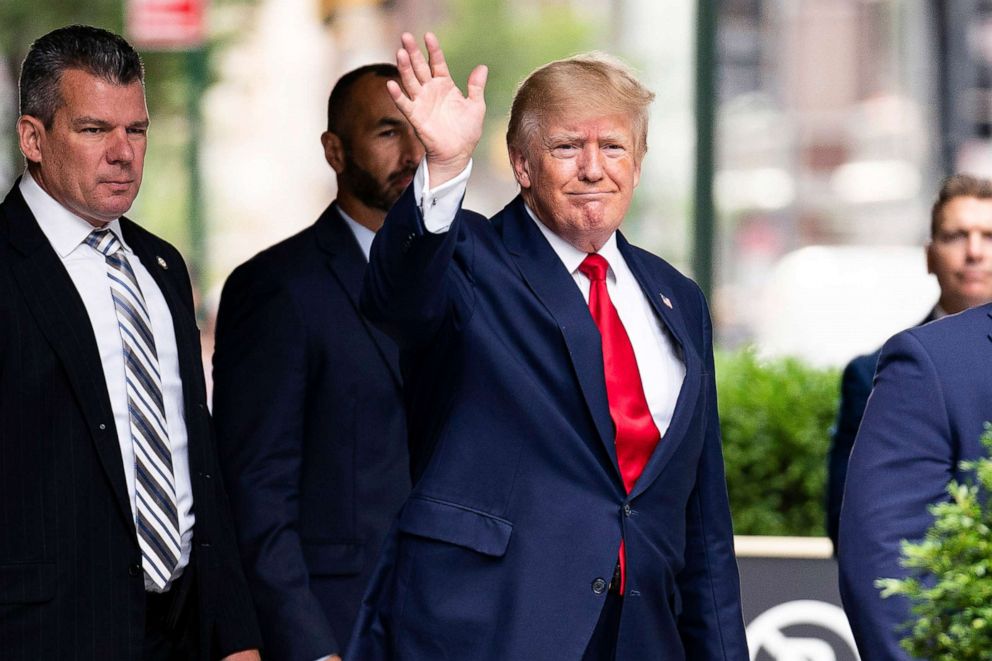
855	387
71	585
312	434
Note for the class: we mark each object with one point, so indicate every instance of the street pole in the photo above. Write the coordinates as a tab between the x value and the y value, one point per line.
705	98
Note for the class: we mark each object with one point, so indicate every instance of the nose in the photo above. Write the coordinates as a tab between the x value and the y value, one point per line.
976	245
590	163
119	147
413	150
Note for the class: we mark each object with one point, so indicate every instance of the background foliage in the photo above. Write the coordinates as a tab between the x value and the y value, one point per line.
776	416
950	583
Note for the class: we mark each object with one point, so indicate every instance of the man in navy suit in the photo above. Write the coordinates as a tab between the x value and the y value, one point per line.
307	394
961	260
932	396
569	498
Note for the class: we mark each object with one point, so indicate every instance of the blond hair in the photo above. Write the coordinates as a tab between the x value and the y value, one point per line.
587	83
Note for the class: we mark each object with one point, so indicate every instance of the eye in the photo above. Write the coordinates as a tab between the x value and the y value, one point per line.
389	133
563	149
137	131
92	130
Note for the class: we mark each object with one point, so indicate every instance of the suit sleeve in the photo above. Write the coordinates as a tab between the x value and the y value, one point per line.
901	463
260	367
854	391
711	623
410	289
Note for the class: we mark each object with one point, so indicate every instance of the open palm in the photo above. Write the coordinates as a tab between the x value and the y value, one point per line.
448	123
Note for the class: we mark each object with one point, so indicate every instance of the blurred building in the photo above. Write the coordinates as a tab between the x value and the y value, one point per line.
836	121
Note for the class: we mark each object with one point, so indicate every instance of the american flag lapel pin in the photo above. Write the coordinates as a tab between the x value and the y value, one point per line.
667	301
161	262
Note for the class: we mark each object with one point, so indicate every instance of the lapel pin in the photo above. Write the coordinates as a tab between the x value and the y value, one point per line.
161	262
667	301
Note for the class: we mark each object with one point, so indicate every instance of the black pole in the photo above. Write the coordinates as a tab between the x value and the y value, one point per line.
704	234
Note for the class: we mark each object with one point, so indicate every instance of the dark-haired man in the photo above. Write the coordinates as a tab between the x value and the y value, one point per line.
116	538
307	394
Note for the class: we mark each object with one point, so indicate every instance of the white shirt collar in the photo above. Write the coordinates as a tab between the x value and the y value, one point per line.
363	234
571	256
64	229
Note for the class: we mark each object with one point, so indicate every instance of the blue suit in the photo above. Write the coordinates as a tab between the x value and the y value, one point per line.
311	432
855	388
932	396
504	548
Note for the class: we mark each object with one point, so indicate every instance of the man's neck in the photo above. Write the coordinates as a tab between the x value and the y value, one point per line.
361	213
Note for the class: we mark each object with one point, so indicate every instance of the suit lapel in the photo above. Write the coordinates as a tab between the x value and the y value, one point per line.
348	264
554	286
685	405
59	311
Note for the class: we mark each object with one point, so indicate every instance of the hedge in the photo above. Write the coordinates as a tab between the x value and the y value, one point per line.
776	415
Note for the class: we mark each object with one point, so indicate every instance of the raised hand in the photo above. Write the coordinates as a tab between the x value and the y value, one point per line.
447	123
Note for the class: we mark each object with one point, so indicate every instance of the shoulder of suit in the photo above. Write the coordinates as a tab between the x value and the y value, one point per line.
664	271
970	323
154	242
284	256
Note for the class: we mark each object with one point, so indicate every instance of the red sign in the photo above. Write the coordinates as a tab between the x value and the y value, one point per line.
166	24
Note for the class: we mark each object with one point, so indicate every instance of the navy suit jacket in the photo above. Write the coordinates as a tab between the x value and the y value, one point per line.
855	388
932	396
312	435
505	546
71	584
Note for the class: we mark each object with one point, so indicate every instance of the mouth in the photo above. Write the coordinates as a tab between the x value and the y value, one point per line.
402	178
591	193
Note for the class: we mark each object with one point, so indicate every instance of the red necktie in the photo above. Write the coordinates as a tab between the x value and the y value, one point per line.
636	433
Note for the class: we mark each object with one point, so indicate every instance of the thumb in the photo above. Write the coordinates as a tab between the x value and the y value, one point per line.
477	83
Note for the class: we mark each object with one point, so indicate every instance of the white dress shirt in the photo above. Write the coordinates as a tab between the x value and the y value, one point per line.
363	234
88	270
659	363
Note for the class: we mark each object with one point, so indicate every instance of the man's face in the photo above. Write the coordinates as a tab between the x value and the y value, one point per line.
579	175
379	149
960	254
91	158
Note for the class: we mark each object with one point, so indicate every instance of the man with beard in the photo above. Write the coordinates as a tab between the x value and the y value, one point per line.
307	394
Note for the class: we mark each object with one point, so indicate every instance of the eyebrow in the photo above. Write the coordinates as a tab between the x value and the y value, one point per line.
102	123
388	121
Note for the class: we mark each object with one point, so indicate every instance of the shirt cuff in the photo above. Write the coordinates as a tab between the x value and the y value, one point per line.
439	206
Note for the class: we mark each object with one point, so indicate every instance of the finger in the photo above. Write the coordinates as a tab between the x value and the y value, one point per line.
477	83
435	56
404	104
420	67
409	78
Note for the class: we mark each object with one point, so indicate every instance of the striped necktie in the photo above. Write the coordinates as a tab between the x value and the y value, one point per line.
156	515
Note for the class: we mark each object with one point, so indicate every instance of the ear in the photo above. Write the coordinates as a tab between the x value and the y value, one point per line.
333	150
930	258
521	167
637	171
30	137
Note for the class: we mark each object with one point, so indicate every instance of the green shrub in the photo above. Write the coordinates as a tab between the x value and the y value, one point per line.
776	415
950	582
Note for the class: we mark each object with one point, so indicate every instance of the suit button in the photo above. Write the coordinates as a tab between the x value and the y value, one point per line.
599	586
626	509
134	569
